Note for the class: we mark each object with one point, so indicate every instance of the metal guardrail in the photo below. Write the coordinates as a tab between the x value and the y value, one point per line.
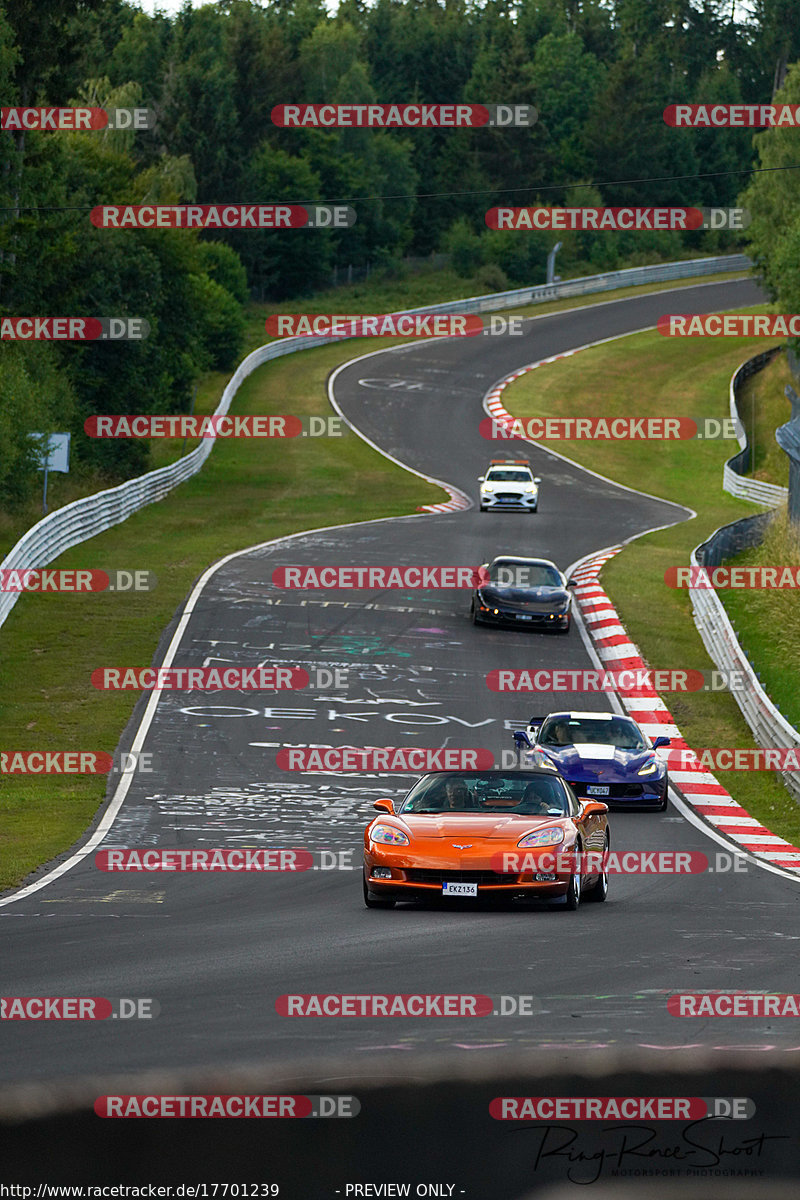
768	725
85	518
756	490
733	480
732	539
788	438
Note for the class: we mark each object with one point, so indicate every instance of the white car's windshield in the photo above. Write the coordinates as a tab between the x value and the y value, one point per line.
509	476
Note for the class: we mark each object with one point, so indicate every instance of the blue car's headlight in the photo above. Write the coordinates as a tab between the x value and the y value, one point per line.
649	768
388	835
543	837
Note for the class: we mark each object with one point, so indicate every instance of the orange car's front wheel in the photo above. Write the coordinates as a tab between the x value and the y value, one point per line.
573	894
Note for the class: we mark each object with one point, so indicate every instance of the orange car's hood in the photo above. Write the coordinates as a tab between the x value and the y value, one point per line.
463	827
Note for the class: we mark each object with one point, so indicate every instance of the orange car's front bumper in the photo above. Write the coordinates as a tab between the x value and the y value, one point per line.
409	876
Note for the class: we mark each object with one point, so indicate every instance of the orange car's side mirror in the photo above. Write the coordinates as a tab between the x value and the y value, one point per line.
384	806
589	807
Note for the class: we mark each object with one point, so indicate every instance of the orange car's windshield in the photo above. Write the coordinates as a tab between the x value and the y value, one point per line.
491	792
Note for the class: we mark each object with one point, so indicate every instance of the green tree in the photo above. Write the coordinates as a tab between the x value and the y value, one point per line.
36	398
464	247
773	198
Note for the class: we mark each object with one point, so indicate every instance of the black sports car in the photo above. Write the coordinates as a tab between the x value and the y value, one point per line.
523	591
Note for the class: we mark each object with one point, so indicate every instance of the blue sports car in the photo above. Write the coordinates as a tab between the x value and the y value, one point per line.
601	755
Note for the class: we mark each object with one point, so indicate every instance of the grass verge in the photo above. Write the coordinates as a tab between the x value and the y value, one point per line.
680	377
767	620
763	406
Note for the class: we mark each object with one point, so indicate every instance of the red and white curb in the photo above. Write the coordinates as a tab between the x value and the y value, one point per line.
457	502
700	788
493	404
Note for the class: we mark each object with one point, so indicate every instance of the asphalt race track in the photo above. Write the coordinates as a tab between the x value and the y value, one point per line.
216	951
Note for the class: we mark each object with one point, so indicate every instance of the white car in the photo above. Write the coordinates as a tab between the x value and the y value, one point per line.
509	484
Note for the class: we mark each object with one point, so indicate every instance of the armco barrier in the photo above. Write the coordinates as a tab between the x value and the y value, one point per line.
769	727
733	479
85	518
425	1121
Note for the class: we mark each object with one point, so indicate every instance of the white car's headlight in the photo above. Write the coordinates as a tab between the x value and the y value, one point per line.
487	487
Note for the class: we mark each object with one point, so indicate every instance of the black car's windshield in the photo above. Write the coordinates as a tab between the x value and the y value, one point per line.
567	731
510	574
521	793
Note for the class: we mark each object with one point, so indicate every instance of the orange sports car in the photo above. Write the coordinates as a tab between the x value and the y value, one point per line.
518	833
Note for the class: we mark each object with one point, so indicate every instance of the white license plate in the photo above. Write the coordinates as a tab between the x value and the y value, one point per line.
523	617
459	889
597	791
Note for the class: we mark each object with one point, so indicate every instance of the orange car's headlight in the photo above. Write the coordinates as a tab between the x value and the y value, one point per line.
388	835
543	837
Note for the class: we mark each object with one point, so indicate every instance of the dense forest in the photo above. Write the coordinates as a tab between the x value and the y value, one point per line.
599	74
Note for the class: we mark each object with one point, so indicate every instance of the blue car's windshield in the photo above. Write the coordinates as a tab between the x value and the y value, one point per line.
575	731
